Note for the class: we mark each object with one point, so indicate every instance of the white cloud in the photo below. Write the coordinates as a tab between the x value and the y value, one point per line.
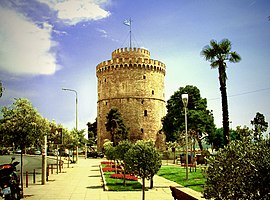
72	12
24	46
103	32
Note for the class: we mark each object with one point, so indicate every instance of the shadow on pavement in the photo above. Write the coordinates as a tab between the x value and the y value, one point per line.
94	187
94	176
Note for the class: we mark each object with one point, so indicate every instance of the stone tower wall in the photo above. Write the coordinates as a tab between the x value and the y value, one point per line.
133	83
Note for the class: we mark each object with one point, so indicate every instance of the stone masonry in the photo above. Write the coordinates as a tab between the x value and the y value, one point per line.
133	83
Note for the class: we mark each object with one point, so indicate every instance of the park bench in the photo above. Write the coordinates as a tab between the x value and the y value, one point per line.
180	195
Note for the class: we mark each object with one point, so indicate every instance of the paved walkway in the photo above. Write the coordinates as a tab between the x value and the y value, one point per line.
83	181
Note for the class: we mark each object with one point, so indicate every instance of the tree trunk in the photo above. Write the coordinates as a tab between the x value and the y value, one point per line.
224	101
152	182
143	189
125	174
200	144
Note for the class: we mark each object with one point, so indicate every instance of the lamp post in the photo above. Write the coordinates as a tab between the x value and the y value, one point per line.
185	103
44	161
71	90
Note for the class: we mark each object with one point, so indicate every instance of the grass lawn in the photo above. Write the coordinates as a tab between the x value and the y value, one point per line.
177	174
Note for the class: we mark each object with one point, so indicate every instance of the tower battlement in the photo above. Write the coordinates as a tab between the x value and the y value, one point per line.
130	62
130	53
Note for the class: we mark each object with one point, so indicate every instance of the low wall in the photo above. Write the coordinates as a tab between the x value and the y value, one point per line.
181	195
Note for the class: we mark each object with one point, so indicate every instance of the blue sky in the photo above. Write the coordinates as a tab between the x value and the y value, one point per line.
46	45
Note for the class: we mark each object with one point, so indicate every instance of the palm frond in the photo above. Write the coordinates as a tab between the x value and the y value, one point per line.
208	53
214	64
225	46
234	57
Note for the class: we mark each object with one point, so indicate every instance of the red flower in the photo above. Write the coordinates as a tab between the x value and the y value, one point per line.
107	162
121	176
110	169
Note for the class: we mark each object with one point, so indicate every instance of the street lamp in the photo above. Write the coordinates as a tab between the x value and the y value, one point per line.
71	90
76	104
185	103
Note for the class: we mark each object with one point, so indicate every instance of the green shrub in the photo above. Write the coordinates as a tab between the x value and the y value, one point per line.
240	171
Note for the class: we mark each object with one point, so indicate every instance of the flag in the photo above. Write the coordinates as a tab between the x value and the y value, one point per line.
127	22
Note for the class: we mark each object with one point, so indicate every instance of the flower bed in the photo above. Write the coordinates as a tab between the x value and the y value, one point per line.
112	183
107	163
121	176
110	169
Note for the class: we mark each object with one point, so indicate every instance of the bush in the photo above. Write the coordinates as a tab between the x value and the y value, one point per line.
240	171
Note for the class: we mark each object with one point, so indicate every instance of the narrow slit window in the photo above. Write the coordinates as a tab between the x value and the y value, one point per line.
153	92
144	77
145	113
142	130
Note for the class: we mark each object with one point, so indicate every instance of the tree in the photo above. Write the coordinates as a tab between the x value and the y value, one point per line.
218	54
216	139
143	160
240	170
92	133
23	125
244	132
234	135
200	119
121	150
115	125
77	139
109	151
57	135
260	125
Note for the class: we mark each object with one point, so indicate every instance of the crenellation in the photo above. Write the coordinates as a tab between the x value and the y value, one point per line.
140	62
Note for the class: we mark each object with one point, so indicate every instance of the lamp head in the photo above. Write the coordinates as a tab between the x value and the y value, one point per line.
185	99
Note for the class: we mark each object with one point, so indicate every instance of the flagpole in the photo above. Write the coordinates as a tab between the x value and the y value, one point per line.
127	22
130	45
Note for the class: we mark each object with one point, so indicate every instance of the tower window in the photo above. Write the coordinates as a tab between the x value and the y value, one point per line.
142	130
145	113
144	77
153	92
142	101
105	80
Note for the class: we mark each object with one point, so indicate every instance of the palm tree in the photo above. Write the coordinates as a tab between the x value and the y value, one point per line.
217	54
